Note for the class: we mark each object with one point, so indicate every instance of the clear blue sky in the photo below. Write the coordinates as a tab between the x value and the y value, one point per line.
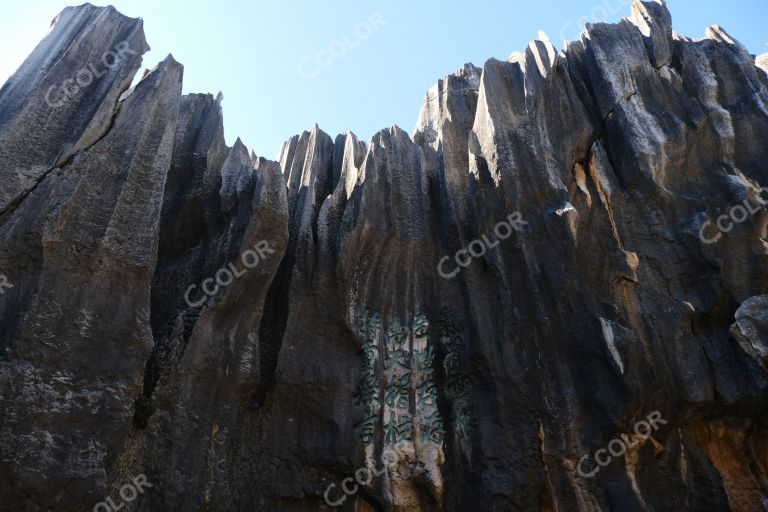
263	54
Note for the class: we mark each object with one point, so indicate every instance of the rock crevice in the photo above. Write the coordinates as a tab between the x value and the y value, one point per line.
246	332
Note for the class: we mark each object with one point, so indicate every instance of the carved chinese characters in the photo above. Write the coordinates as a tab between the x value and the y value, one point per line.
397	390
458	386
368	389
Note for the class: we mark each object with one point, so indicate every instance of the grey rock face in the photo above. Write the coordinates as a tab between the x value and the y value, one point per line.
63	98
762	62
550	297
81	250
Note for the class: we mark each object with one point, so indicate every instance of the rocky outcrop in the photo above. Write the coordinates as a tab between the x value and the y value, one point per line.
63	98
551	296
762	62
80	251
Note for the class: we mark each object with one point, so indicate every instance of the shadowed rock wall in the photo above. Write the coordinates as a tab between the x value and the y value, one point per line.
552	296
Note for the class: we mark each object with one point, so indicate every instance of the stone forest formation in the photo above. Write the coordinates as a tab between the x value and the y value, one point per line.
551	296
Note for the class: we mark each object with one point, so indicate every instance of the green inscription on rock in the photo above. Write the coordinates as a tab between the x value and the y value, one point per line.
367	428
396	359
397	334
397	430
368	391
420	325
369	324
426	393
433	429
396	395
423	360
462	424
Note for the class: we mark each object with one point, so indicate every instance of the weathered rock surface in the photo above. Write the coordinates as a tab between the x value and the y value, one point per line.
47	114
246	333
762	62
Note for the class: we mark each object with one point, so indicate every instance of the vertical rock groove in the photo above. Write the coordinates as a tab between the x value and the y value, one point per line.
564	261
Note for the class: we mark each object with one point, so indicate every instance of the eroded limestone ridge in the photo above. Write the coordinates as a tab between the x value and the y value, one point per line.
552	296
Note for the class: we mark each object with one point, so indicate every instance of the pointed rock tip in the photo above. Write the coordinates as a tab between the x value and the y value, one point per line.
391	131
762	61
318	132
242	151
514	57
543	37
639	3
347	134
88	5
718	33
543	52
468	69
168	61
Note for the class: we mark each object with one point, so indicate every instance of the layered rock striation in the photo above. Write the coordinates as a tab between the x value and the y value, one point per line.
551	296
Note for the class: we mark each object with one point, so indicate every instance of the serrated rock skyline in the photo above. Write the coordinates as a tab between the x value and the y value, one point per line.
246	333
